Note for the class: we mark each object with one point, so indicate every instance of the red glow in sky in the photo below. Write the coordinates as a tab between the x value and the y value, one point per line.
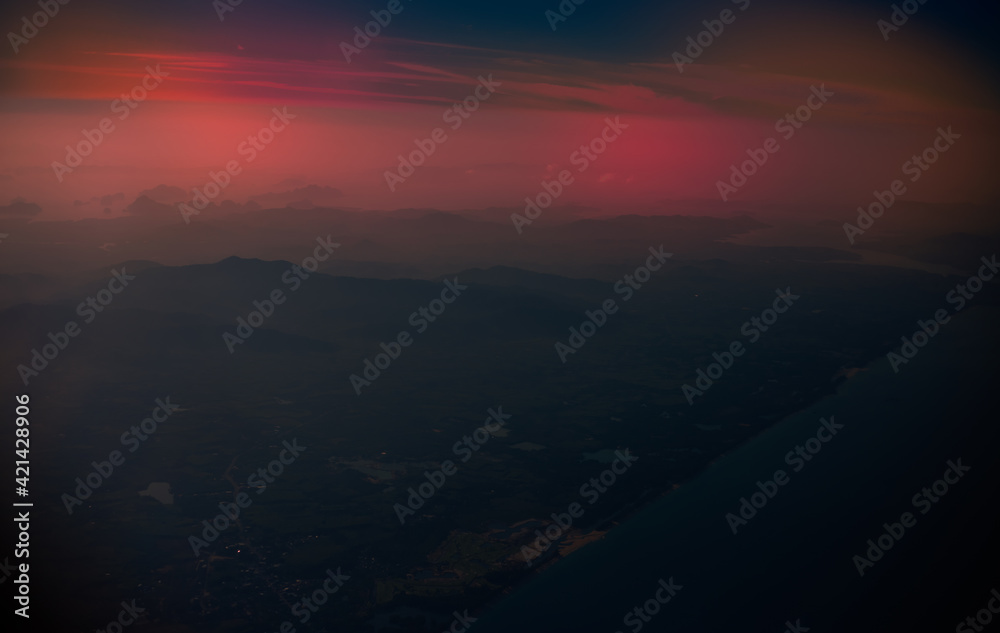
353	121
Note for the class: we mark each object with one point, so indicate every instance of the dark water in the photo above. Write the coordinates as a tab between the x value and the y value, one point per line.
794	558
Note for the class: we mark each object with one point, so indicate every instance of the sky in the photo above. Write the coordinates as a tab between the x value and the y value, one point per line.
215	77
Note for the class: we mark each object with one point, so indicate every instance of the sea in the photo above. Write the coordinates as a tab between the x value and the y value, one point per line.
793	566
